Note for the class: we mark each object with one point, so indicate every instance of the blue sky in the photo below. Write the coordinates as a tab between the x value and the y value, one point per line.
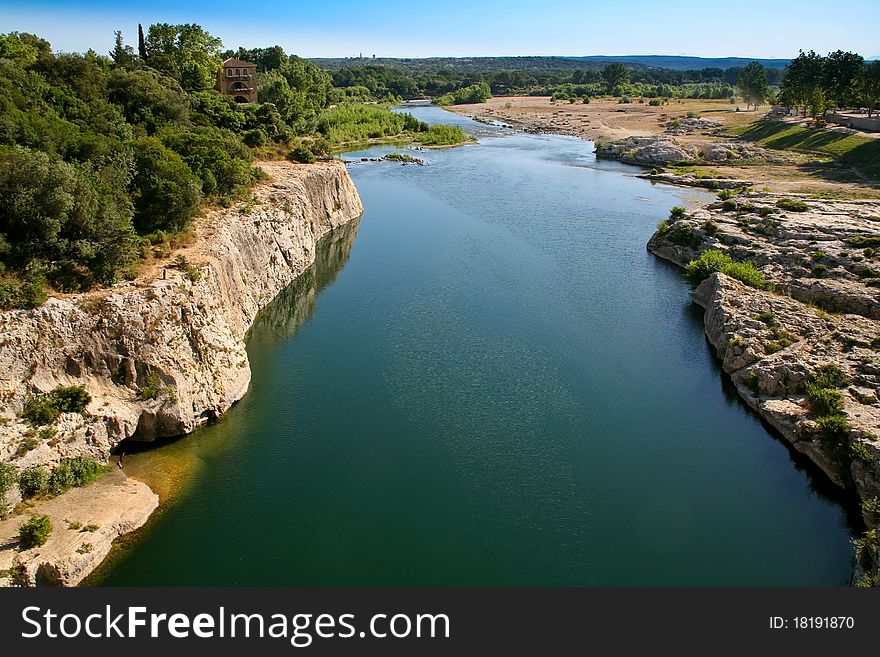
413	28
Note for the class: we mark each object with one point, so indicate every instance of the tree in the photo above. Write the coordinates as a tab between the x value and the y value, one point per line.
615	74
185	52
752	83
142	44
802	83
869	85
166	192
121	54
22	47
841	75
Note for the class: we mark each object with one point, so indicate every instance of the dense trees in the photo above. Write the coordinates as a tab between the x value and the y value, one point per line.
841	79
97	150
752	83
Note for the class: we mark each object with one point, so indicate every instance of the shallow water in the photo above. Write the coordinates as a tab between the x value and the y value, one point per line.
488	381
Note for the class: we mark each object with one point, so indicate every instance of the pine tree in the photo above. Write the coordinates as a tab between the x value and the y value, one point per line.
120	54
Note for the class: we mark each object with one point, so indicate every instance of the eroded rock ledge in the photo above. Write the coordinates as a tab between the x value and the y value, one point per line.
824	309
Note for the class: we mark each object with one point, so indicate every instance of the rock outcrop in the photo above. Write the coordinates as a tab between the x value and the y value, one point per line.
85	521
665	150
165	354
823	310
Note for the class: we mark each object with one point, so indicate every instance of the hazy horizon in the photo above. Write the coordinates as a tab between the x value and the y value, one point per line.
391	28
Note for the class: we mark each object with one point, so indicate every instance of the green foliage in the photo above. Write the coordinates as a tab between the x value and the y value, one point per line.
710	227
677	213
186	53
441	135
712	261
792	205
614	75
752	83
683	234
71	473
8	478
746	272
829	376
165	191
153	388
46	408
33	481
34	532
301	154
864	240
18	293
824	401
475	93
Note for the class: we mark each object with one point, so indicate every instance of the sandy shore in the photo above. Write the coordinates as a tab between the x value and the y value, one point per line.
608	120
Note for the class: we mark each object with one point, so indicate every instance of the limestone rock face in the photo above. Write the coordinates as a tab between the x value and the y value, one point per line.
165	354
824	310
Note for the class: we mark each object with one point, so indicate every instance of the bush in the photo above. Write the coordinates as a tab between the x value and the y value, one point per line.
792	205
746	272
824	401
707	264
72	473
302	155
864	240
683	234
677	213
829	376
44	409
586	100
710	227
33	481
35	532
713	261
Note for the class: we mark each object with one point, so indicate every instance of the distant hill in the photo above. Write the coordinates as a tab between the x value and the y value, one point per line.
471	64
681	63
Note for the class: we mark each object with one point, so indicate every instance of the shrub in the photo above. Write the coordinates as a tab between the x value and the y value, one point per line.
829	376
746	272
710	227
729	205
864	240
684	235
44	409
586	100
792	205
71	473
301	154
819	270
35	532
663	227
8	478
33	481
677	213
713	261
824	401
707	264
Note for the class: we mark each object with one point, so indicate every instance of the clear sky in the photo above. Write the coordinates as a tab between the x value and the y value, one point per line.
415	28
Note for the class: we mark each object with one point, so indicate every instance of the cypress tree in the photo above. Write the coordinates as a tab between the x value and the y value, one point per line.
142	45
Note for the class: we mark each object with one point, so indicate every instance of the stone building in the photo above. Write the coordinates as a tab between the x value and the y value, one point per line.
238	79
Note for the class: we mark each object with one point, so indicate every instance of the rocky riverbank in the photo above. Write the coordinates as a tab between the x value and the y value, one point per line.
822	310
164	354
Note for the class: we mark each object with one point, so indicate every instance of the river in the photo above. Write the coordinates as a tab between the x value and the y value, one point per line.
487	381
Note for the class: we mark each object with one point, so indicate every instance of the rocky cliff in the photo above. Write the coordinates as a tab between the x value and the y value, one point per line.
823	310
166	353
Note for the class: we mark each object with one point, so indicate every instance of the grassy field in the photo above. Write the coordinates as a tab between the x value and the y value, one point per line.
860	153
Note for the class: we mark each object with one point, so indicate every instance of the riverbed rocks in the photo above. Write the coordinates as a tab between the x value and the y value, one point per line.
659	150
823	309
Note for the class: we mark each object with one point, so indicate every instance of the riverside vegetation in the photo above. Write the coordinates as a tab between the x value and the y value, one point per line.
106	160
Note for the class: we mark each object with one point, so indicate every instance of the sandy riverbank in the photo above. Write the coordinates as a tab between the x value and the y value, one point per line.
605	120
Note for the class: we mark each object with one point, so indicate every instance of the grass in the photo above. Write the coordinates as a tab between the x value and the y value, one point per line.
860	153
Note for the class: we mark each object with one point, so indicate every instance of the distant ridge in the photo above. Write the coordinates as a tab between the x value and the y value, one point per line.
534	63
683	63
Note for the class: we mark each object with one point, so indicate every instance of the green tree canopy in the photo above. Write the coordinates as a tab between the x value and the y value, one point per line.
615	74
869	85
186	53
752	83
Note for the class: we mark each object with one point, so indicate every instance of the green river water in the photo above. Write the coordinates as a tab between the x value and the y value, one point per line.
487	380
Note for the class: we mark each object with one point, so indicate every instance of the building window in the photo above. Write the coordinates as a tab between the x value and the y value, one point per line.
228	72
237	72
